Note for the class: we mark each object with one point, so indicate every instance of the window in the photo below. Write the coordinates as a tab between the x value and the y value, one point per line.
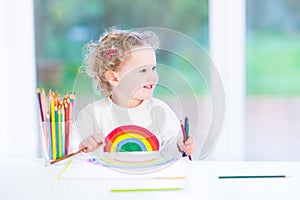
63	27
273	86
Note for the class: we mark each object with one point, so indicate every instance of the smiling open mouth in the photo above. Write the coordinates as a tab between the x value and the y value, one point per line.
149	86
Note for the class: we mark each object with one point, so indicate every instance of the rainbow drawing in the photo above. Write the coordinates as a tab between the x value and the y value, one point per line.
130	138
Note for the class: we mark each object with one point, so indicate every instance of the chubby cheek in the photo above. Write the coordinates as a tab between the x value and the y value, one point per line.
130	85
138	86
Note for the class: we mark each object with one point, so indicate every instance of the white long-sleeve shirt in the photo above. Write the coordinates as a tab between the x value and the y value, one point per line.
156	116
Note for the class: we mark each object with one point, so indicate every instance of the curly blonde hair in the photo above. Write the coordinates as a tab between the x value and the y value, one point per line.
109	52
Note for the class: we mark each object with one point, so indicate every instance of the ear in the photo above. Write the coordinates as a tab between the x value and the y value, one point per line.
112	77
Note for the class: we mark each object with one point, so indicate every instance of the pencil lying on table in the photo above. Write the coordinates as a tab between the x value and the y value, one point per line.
83	150
254	176
145	190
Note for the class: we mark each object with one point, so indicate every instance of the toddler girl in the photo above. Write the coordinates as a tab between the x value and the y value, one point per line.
122	65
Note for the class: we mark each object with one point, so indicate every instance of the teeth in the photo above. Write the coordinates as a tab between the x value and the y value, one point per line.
148	86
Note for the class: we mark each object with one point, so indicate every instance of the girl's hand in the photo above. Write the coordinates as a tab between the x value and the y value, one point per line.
188	146
92	142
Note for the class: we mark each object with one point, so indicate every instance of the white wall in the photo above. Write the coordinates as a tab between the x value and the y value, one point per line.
227	49
18	114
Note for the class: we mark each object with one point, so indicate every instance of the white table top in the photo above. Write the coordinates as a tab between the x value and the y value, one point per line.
23	178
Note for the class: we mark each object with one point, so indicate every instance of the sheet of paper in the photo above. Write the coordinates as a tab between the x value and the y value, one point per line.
175	175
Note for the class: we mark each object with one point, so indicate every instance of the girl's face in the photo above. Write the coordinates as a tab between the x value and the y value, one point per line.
137	75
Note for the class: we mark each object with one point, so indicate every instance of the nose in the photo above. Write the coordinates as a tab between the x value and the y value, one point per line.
152	76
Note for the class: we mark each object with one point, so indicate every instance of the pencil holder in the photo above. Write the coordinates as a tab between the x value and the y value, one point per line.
55	139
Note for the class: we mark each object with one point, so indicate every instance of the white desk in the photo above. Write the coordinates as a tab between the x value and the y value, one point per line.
28	179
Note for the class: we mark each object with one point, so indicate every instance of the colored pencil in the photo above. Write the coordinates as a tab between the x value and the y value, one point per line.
56	130
68	128
183	131
44	103
83	150
67	156
63	131
184	137
49	135
127	178
44	109
255	176
187	131
67	124
53	134
56	115
146	190
40	103
187	126
64	169
59	125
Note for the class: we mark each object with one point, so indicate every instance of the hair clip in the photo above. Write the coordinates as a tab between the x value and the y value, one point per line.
108	53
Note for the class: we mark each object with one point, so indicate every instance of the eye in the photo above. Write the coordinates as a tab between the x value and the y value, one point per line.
143	70
154	68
